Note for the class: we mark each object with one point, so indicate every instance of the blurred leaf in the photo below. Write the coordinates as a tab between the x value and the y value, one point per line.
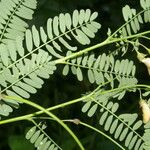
18	142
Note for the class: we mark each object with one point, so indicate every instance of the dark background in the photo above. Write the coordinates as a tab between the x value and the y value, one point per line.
59	89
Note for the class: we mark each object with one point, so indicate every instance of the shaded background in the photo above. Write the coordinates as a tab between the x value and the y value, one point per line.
59	89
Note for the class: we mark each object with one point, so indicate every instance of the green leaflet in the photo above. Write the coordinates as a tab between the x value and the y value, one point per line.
91	60
137	125
55	26
115	107
79	74
81	37
68	20
102	61
126	12
5	109
138	144
52	51
132	143
12	50
43	35
19	47
128	139
32	83
37	142
27	87
20	91
67	44
62	23
108	123
93	16
113	126
49	28
29	40
75	18
92	110
118	131
145	3
4	54
86	106
103	118
87	15
91	76
25	12
36	37
84	61
123	134
66	70
88	32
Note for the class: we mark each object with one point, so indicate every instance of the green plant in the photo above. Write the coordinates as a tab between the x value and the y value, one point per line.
27	56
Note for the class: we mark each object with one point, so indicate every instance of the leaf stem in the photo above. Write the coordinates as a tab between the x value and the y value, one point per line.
26	117
49	114
102	133
105	42
45	133
79	122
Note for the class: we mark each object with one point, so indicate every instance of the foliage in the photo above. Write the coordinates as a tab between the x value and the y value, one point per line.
29	55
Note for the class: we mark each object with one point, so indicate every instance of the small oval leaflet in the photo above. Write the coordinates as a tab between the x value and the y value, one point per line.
92	111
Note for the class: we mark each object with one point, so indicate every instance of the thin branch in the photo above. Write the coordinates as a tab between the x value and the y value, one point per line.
49	114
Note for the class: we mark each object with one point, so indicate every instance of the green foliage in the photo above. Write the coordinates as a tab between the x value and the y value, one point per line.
12	17
124	127
133	20
28	56
25	78
101	69
23	75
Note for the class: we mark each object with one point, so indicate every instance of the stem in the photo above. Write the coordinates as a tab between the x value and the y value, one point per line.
125	87
26	117
133	43
127	22
106	42
49	114
81	52
128	126
45	134
145	37
102	133
78	122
